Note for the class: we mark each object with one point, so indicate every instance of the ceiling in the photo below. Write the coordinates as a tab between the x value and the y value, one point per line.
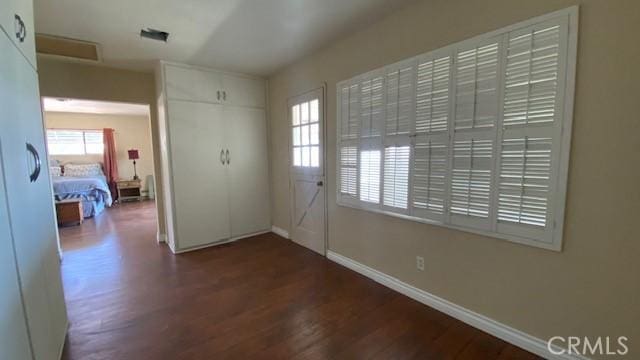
94	107
250	36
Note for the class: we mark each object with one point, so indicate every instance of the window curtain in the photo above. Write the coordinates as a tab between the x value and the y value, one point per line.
110	162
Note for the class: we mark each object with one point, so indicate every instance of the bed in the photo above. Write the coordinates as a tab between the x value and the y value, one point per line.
91	188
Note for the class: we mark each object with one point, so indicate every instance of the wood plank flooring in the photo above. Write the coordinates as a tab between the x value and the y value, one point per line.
257	298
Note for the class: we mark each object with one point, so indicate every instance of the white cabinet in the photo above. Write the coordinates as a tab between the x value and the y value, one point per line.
16	18
29	201
183	83
214	155
14	339
199	173
243	91
202	85
248	170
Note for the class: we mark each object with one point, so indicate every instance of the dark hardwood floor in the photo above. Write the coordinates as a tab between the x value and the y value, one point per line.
262	297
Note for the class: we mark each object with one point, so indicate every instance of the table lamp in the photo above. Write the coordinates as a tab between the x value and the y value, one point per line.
133	155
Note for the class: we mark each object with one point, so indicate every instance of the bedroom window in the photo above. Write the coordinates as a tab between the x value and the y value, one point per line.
74	142
473	136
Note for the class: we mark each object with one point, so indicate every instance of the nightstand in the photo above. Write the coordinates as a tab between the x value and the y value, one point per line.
69	211
129	190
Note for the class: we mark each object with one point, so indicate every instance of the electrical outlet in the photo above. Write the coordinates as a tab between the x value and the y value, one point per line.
420	263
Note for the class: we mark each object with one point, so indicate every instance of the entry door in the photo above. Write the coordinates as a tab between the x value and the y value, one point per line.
306	127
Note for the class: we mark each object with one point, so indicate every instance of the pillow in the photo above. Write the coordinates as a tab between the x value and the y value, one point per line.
83	170
55	170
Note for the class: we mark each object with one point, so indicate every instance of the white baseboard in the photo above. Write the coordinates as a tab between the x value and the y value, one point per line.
497	329
161	238
279	231
221	242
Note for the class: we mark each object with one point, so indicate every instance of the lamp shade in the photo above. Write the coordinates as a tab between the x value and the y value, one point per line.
133	154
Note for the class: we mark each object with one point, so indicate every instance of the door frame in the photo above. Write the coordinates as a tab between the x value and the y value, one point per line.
323	131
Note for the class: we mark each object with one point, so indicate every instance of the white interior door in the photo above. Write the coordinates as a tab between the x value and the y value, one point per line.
248	165
14	340
306	120
201	198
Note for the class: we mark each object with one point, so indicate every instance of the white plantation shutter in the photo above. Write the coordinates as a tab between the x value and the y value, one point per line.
470	136
525	171
400	98
530	130
470	193
348	142
531	83
371	107
430	163
349	170
396	176
475	118
431	142
476	87
432	95
370	176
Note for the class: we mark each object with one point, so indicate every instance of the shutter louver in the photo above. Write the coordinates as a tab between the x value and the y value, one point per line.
471	178
429	176
531	77
399	100
396	176
349	170
370	176
371	107
349	112
476	87
525	171
432	95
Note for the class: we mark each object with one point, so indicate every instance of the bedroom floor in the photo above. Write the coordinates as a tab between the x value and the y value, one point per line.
261	297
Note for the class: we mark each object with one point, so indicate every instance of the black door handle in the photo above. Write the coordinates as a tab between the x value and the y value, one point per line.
20	28
36	158
320	183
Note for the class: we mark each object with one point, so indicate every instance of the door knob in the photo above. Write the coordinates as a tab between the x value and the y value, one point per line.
320	183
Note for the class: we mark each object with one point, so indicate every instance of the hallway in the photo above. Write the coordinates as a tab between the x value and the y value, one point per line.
263	297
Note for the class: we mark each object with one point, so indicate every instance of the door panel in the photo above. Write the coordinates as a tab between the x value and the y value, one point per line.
24	9
306	124
198	136
248	170
30	202
308	214
243	91
14	340
193	85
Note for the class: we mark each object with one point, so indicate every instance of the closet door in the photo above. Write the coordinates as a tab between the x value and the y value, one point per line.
30	200
248	170
14	340
198	158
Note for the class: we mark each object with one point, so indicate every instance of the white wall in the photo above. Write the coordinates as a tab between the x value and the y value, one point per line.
131	132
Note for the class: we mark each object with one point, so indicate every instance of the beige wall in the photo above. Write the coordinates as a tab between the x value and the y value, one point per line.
591	287
93	82
131	132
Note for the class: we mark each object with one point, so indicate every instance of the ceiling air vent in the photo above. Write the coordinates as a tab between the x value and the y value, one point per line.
67	48
154	34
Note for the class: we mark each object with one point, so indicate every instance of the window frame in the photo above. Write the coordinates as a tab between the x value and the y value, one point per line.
553	231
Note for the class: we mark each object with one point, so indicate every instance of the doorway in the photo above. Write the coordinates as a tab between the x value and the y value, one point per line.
101	161
307	178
